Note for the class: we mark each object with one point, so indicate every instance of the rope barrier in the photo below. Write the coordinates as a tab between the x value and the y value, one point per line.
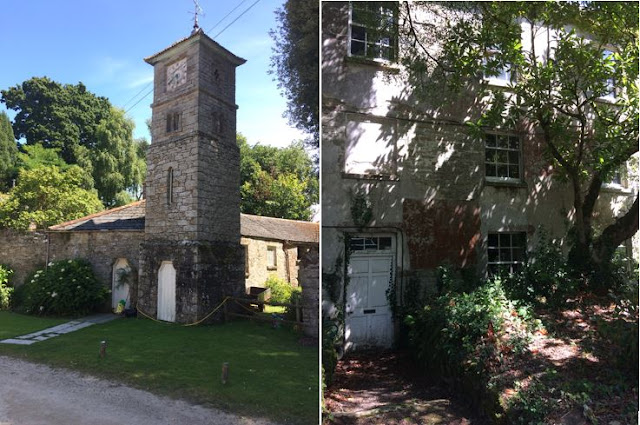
197	322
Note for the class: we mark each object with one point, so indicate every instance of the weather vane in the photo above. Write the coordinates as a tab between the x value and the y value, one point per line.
198	10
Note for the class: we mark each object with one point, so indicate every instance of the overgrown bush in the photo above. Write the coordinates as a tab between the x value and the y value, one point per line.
281	290
459	331
545	279
5	290
65	288
622	331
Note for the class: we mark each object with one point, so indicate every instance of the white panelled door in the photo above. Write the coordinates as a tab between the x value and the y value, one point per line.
167	292
369	320
119	288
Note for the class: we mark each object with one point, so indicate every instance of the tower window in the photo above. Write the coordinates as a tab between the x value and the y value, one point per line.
173	122
170	186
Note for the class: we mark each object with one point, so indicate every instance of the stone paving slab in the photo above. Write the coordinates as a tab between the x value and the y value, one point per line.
62	329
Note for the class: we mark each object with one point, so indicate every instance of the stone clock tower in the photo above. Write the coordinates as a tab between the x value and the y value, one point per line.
192	257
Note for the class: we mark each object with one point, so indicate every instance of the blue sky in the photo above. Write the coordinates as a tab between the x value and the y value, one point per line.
102	43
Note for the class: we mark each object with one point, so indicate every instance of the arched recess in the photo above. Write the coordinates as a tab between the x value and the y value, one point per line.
120	283
167	292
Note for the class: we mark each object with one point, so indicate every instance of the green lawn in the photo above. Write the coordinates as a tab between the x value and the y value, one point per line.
270	373
12	324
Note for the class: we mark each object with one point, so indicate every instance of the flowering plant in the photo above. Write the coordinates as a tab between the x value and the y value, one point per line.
65	288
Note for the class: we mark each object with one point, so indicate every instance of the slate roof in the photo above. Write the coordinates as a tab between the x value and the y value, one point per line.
130	217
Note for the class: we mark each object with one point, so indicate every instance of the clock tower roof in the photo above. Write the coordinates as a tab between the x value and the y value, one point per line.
196	36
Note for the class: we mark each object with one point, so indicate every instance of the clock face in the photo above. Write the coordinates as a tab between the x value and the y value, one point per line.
176	74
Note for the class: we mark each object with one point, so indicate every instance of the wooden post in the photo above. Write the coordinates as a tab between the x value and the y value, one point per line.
103	349
225	373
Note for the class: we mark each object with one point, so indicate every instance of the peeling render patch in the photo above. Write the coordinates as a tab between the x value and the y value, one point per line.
441	232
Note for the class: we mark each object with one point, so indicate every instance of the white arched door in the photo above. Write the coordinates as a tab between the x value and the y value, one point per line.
120	283
167	292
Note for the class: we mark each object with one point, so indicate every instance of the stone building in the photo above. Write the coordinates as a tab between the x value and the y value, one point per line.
179	252
406	188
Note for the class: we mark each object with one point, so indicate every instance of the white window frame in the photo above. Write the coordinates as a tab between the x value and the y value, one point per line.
508	164
391	44
511	247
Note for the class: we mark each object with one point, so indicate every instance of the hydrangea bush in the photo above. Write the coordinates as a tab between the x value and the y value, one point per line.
5	289
64	288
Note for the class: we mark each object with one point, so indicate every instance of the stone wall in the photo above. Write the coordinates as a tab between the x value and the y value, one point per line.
23	253
309	277
101	249
256	270
205	274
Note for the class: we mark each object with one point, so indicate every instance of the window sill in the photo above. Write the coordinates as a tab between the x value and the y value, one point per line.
497	83
616	188
505	183
379	177
272	269
378	63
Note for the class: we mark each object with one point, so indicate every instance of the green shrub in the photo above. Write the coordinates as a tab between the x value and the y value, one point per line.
545	279
5	290
280	289
65	288
448	334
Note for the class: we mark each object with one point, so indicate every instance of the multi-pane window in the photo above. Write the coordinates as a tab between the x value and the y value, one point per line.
374	243
505	252
173	122
272	258
373	30
502	157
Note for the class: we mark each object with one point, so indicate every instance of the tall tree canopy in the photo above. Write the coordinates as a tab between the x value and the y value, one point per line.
46	196
277	182
574	75
295	62
8	151
83	128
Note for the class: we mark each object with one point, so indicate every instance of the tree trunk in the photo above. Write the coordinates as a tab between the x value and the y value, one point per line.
612	236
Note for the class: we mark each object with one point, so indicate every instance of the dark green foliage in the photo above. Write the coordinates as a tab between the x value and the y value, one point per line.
277	182
622	331
64	288
8	152
5	289
450	334
56	115
361	209
545	279
81	128
295	62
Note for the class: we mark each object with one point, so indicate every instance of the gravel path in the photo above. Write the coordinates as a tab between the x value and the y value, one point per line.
32	394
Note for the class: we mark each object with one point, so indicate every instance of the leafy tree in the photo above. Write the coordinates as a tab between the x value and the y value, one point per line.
295	62
116	165
47	195
557	88
8	151
277	182
55	115
34	156
83	128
